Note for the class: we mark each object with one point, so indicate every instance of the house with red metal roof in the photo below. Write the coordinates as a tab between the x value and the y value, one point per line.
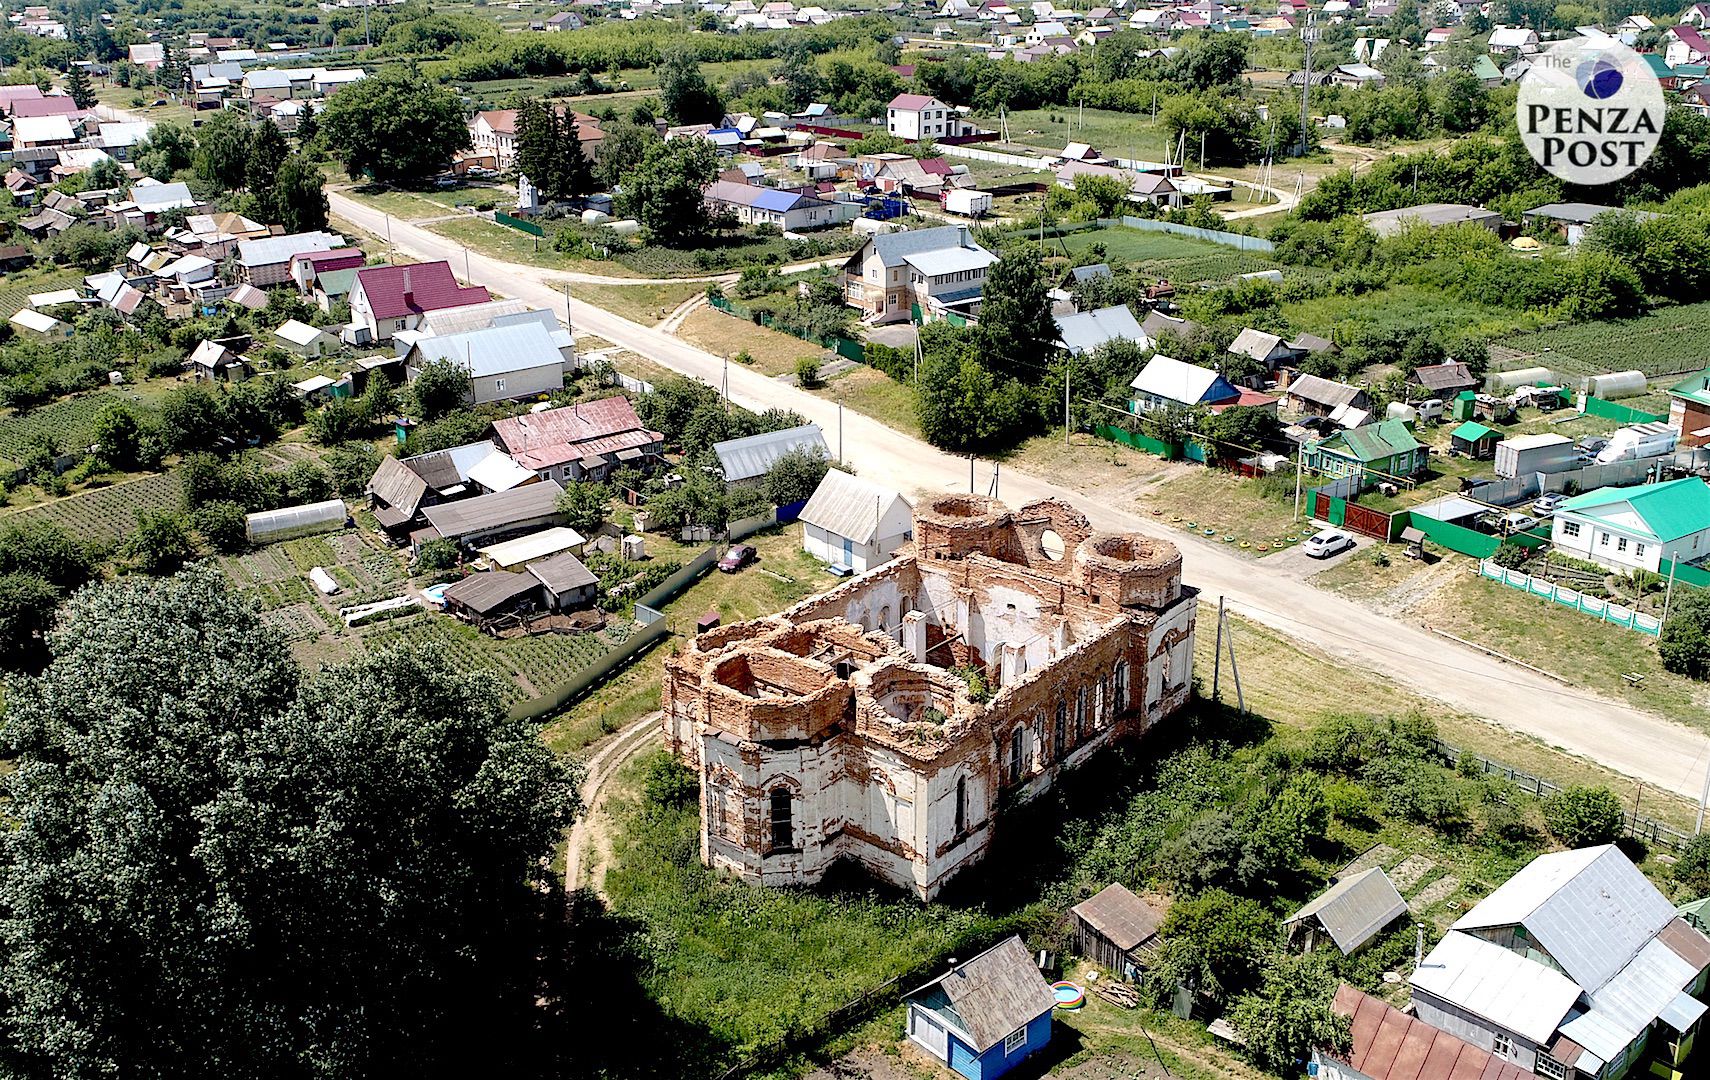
1388	1044
386	299
580	442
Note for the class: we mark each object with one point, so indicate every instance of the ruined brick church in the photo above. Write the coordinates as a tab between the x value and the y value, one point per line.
886	721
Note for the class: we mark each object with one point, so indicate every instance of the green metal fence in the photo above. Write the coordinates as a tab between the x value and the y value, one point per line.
1136	440
518	224
1467	541
1614	410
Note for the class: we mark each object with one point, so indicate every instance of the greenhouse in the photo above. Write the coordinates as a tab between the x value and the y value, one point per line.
290	521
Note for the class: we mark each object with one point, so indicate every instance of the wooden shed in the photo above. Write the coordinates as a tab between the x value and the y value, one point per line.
1118	930
1474	440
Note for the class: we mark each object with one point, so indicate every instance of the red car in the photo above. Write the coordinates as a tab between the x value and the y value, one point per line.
737	557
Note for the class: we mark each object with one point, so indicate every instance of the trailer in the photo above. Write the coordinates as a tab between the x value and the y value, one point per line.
967	202
1524	455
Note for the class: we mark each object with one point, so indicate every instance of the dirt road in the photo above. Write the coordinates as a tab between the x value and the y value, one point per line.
591	833
1655	749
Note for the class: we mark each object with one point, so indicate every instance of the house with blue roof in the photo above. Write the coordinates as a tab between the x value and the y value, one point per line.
755	205
1637	526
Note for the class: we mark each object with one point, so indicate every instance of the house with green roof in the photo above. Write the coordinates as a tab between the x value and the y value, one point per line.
1474	440
1689	409
1637	526
1374	452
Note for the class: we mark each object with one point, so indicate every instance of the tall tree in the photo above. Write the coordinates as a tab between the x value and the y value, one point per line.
267	151
222	150
397	126
684	92
575	171
664	191
1015	315
299	201
219	867
624	147
77	83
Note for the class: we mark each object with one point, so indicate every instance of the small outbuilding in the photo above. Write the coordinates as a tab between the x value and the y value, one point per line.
1118	930
854	524
1474	440
480	598
984	1017
305	340
293	521
518	553
1349	914
568	584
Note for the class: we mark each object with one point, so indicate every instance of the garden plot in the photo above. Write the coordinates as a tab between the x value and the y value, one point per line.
104	515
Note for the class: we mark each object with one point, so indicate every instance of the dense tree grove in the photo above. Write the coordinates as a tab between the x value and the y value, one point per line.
221	866
395	126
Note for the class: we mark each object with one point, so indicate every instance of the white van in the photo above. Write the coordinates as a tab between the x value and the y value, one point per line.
1638	441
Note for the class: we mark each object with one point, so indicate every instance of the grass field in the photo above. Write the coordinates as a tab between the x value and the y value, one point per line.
1410	305
1114	134
871	392
1181	259
645	304
422	205
124	98
774	352
1666	341
104	515
514	245
1254	512
16	287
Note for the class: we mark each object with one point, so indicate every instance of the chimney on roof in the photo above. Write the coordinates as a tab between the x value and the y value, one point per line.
409	294
962	235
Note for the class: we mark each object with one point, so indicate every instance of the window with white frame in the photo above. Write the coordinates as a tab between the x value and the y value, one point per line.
1638	551
1550	1067
1602	539
1501	1045
1621	543
499	386
1570	528
1014	1041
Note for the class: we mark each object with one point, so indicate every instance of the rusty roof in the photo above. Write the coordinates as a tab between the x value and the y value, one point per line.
1120	916
1390	1045
545	439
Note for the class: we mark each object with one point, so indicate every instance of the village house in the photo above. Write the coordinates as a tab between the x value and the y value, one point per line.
1689	410
504	362
1384	451
839	730
918	116
917	273
1685	45
1168	383
854	524
1444	381
1388	1044
495	132
305	340
984	1017
1430	215
306	267
1088	331
1514	40
753	205
1143	187
400	488
386	299
1635	527
1310	395
1268	349
1575	967
266	261
585	441
744	462
498	516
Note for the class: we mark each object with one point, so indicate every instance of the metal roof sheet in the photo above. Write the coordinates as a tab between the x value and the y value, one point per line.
1388	1044
267	250
497	472
995	993
1631	1001
1671	510
561	573
571	432
534	546
486	592
1502	987
1354	909
1177	380
1590	909
950	260
750	457
892	248
497	350
1087	330
849	506
1254	343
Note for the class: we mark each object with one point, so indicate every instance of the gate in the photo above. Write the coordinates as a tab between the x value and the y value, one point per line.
1351	516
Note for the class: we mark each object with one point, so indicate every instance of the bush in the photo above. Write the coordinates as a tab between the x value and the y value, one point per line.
222	525
1692	868
436	554
1511	556
1684	644
1585	816
807	373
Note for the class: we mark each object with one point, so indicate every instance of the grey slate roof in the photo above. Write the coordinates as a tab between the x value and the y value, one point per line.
495	511
1156	322
1090	273
848	506
750	457
487	592
1354	909
267	250
993	994
398	486
893	248
562	573
1086	331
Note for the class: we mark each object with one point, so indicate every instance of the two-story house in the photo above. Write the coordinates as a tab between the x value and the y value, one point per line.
917	116
1577	966
920	273
386	299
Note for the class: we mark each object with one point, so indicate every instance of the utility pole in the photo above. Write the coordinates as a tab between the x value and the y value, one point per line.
567	323
1308	34
1297	486
970	474
724	392
1703	800
1668	597
467	276
1217	653
1068	361
840	432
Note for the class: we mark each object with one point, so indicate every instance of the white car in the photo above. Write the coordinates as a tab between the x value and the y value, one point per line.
1327	543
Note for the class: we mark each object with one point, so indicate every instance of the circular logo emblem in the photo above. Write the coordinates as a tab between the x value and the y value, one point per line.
1590	112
